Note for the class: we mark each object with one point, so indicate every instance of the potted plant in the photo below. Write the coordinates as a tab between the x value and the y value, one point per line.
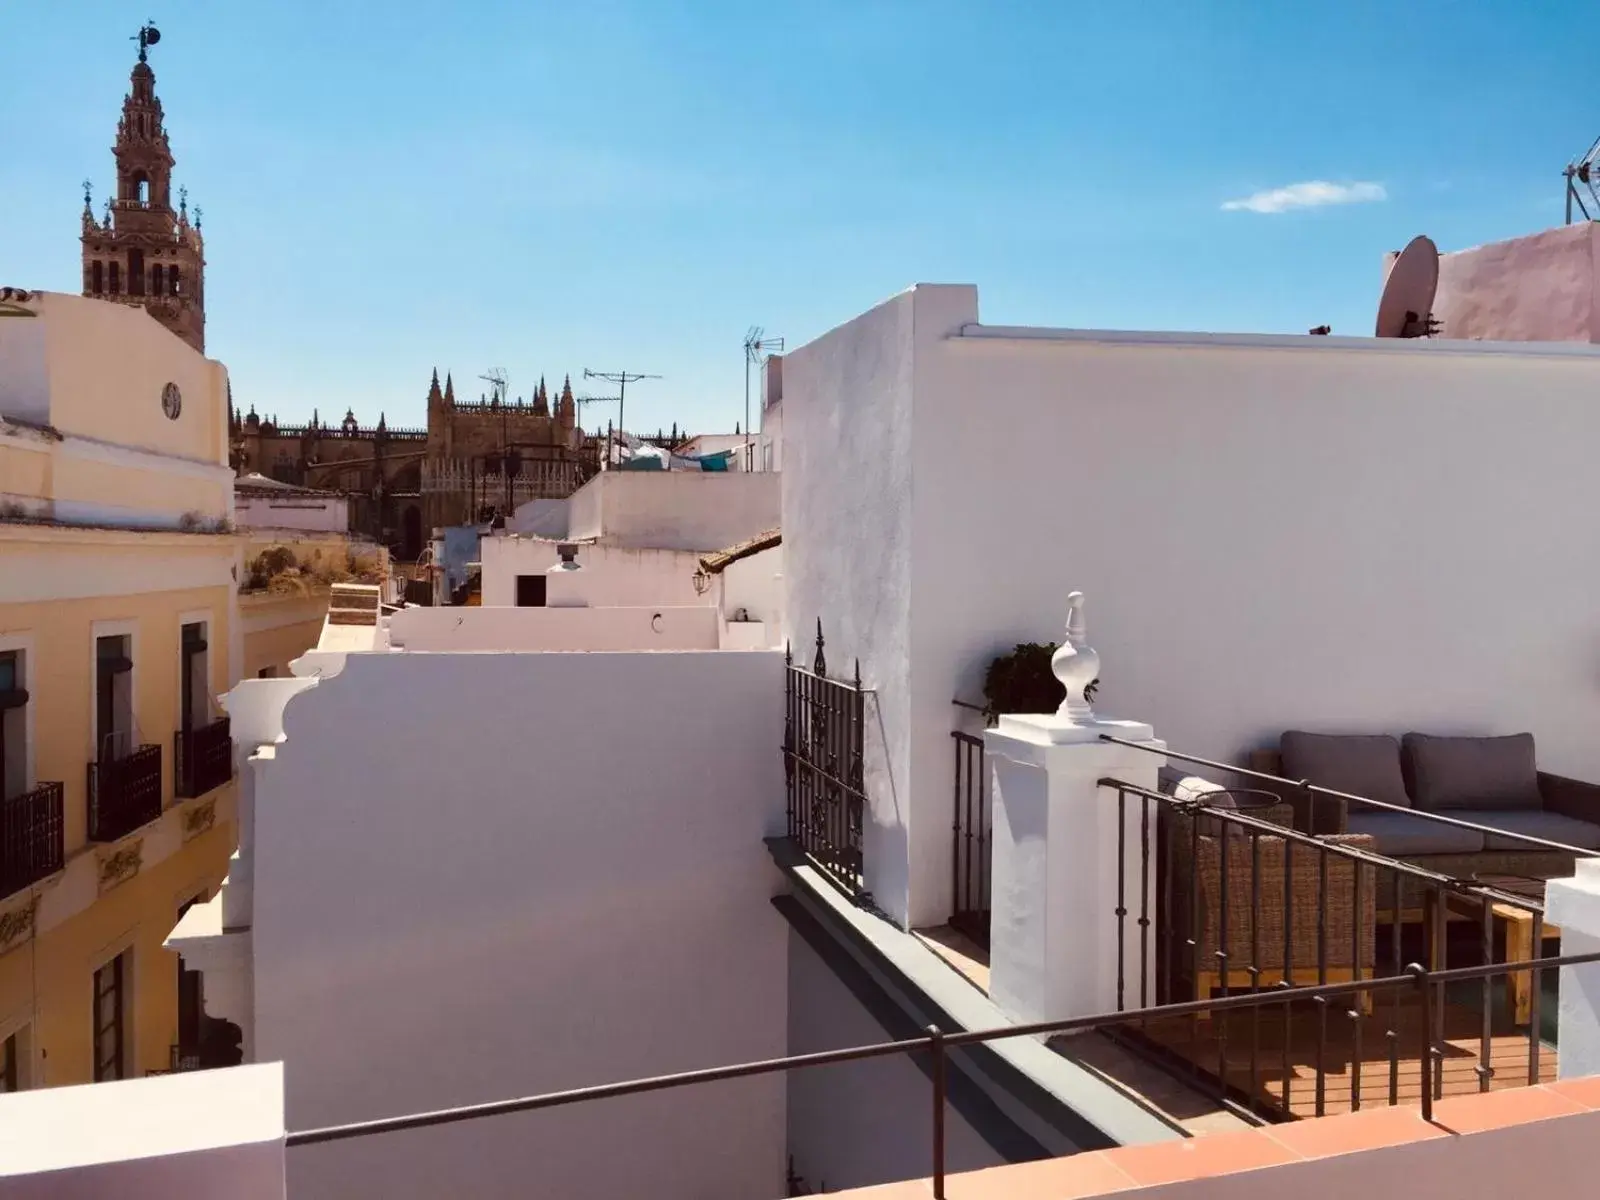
1022	682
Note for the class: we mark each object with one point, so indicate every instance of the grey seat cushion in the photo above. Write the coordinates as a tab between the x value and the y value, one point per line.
1552	826
1365	765
1402	835
1486	773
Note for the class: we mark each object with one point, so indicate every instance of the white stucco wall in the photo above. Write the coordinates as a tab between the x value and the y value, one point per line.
212	1133
612	575
861	1123
755	585
645	628
326	514
675	510
489	875
1272	532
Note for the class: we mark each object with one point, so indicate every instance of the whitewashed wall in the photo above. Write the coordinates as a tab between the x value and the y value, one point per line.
216	1134
490	875
643	628
612	574
1272	532
755	586
861	1123
253	510
675	510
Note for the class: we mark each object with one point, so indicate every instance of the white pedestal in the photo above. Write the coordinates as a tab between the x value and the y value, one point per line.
1054	931
1573	905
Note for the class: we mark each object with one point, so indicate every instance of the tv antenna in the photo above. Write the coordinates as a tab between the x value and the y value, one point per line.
147	36
1585	171
622	379
757	345
495	377
580	401
1406	307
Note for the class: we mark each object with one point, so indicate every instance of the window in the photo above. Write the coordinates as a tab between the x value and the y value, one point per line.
156	282
530	591
191	1005
13	725
135	272
172	280
97	277
12	1052
196	695
116	279
110	1014
141	185
113	698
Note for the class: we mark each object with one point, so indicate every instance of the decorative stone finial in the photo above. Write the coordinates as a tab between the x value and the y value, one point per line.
1076	664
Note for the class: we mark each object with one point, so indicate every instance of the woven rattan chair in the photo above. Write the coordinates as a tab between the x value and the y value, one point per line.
1278	906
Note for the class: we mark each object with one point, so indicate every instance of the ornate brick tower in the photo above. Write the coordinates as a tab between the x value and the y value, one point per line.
143	252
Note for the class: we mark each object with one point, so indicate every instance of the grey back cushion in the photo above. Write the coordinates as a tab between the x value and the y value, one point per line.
1366	765
1473	772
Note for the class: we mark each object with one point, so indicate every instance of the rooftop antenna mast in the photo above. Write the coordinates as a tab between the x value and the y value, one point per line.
757	345
1585	171
622	379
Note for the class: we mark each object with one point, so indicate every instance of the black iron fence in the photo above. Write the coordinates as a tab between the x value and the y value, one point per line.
204	758
1415	980
31	837
824	721
969	910
1218	895
124	793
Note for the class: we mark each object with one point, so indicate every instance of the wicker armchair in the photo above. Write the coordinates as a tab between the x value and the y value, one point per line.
1325	935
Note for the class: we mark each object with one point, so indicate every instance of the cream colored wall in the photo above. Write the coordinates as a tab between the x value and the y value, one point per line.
59	589
108	364
110	487
47	982
25	470
279	628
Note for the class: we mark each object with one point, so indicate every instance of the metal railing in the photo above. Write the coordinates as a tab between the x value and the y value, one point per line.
124	793
203	757
32	840
1214	900
823	766
969	908
1415	979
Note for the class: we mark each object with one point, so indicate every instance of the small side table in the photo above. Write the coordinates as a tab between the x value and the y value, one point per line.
1520	946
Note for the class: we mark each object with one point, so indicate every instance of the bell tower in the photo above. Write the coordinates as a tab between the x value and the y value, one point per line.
142	252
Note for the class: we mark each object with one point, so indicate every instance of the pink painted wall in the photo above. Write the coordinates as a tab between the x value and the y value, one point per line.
1539	288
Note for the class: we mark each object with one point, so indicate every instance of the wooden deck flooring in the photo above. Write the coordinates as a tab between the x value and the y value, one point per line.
1377	1082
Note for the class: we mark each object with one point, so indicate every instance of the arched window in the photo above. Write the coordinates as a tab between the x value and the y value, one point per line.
141	189
156	281
116	279
97	276
172	280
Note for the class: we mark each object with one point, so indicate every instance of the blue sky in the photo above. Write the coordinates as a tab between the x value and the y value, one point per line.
632	183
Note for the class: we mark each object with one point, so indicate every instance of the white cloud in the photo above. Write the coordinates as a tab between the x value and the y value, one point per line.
1314	193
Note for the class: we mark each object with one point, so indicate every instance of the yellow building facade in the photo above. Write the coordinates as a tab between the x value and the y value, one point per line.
118	631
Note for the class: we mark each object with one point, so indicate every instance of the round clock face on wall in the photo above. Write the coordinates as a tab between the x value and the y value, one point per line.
171	401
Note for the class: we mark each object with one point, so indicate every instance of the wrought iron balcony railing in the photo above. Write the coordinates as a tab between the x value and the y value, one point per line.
204	758
124	793
31	842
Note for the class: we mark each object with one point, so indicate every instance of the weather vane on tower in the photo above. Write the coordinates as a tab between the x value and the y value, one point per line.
147	36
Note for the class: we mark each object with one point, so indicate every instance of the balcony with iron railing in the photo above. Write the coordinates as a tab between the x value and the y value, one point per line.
31	837
203	758
124	793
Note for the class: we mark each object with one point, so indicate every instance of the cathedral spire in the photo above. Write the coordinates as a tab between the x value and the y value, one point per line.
541	400
567	407
449	391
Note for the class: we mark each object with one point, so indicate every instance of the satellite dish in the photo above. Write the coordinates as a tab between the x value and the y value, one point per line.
1406	309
